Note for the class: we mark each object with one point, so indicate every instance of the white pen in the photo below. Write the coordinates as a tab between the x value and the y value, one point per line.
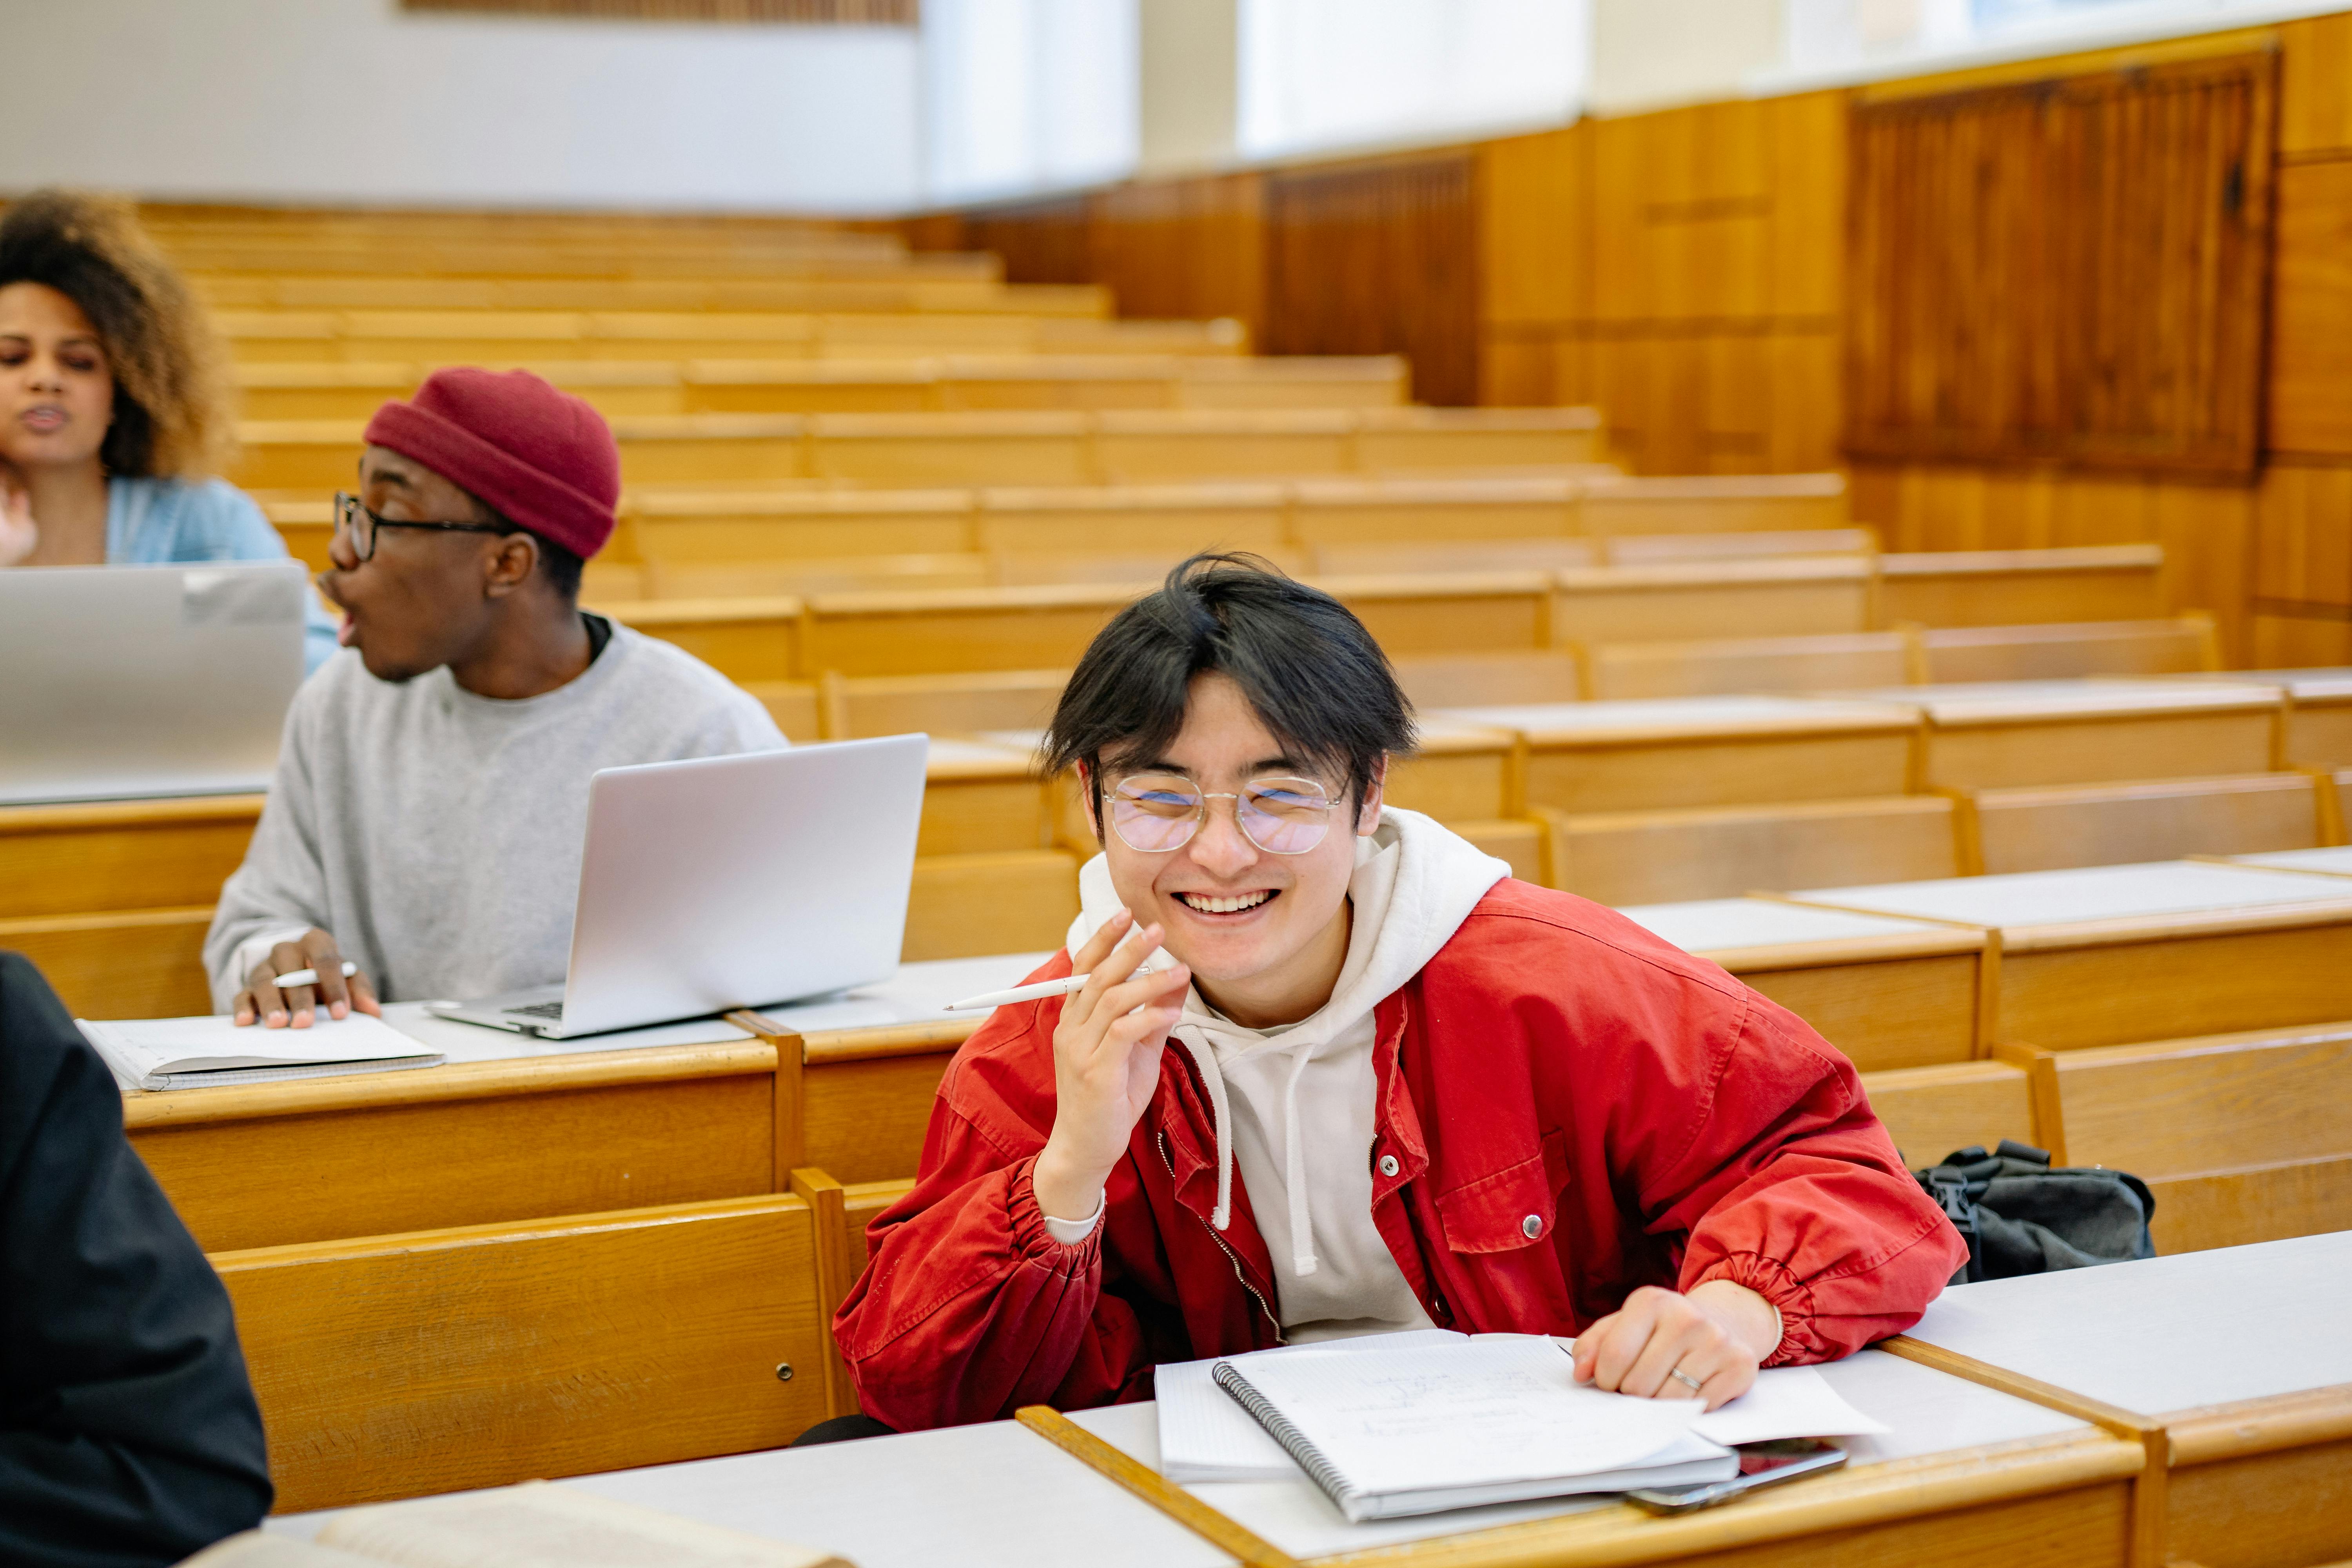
1061	987
309	976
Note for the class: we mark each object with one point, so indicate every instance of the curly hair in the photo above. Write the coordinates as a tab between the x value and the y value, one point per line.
172	406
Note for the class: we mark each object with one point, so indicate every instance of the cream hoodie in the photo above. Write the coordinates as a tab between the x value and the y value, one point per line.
1294	1103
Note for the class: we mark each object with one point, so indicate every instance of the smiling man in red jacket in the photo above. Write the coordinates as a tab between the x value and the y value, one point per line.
1405	1089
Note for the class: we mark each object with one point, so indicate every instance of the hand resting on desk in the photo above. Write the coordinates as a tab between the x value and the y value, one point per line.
1716	1336
295	1005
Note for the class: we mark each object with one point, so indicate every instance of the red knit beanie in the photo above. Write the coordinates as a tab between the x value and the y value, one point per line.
542	459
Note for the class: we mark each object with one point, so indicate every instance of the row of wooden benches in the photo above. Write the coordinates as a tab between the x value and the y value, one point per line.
629	387
1628	520
783	636
1005	448
479	337
432	1359
960	287
1618	800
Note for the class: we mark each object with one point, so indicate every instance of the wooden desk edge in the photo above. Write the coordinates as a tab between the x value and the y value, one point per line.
446	1083
2207	1433
1116	1464
1922	1485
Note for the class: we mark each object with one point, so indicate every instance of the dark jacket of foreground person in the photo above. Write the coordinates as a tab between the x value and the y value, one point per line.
128	1429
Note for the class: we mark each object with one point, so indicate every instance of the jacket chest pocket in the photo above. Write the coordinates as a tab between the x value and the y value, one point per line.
1515	1208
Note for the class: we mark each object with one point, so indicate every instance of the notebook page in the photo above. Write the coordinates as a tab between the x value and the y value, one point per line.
1498	1408
253	1549
1204	1436
213	1042
1786	1402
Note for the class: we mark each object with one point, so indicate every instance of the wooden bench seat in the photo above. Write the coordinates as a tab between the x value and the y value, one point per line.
1930	1111
1683	601
1764	503
436	1361
1995	587
1706	751
2319	714
1888	990
2106	954
2010	733
1960	655
1720	666
1441	681
2046	828
2242	1137
1168	521
1717	852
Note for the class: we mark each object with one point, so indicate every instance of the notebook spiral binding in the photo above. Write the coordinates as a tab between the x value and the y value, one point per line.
1294	1442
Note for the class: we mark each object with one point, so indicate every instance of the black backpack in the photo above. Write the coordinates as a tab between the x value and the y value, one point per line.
2019	1216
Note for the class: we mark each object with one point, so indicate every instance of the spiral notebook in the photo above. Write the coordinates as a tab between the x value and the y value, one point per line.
1422	1427
210	1050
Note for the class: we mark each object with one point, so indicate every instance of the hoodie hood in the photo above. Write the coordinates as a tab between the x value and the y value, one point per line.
1415	883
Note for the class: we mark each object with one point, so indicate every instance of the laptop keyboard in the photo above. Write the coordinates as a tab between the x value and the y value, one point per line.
541	1010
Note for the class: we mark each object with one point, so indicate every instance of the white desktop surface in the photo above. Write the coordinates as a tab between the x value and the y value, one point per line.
915	995
2165	1334
1718	925
992	1496
1962	702
2336	861
2330	682
2089	893
997	1494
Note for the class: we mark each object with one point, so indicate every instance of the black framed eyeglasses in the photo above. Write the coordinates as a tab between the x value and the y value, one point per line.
358	524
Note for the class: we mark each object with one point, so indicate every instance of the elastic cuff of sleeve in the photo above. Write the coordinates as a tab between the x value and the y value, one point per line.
1788	1296
1033	1232
1070	1232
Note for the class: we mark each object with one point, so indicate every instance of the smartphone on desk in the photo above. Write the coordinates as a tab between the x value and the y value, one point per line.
1761	1465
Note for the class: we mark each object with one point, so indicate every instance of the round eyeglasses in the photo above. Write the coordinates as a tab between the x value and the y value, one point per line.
359	525
1158	812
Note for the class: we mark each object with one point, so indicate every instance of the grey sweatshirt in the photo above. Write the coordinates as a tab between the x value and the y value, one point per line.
437	834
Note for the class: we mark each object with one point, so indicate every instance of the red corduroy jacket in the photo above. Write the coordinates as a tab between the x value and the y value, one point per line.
1575	1108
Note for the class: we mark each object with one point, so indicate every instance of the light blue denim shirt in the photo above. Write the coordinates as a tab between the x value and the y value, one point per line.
160	522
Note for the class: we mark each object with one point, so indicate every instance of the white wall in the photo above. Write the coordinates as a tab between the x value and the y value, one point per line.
1321	76
1650	54
1027	95
353	101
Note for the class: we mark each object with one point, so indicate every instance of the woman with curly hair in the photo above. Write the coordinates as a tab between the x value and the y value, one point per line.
114	414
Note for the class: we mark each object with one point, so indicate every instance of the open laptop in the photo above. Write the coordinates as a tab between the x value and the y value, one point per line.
726	882
120	681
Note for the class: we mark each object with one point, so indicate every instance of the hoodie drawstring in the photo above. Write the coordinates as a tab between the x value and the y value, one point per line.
1294	1171
1204	1057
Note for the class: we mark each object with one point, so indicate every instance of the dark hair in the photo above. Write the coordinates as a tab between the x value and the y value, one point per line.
170	399
562	565
1310	671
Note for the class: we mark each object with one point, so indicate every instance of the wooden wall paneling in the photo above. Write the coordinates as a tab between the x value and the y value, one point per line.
1187	248
2315	86
1804	411
1379	259
2207	534
2303	543
1040	242
1737	432
2311	311
1535	282
2071	270
1807	133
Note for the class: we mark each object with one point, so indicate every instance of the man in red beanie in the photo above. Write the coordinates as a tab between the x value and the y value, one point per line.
432	788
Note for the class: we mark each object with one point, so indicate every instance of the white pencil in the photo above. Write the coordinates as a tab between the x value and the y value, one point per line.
309	976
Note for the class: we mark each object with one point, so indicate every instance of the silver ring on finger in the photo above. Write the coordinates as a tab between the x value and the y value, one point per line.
1685	1379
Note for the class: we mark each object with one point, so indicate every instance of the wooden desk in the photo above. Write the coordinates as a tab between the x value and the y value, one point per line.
1968	1470
2010	733
512	1127
87	856
2319	713
1889	992
2238	1356
2111	954
1706	751
1681	601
